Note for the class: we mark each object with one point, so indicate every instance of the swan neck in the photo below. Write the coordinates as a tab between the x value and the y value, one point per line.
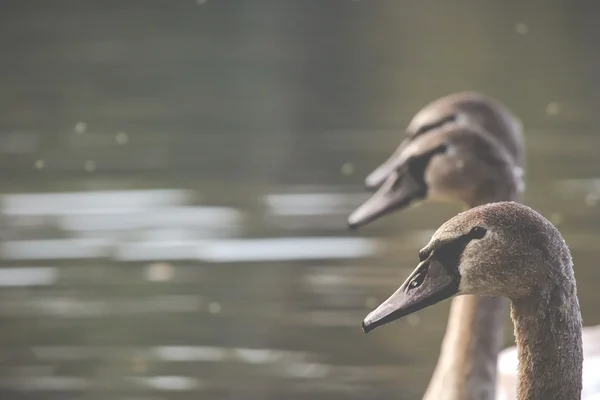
549	343
467	366
474	336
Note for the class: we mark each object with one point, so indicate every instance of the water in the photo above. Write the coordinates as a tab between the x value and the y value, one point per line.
175	180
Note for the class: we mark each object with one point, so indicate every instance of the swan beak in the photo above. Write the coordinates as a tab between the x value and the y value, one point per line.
376	178
398	191
430	283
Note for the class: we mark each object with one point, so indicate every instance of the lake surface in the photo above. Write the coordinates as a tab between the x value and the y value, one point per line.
175	179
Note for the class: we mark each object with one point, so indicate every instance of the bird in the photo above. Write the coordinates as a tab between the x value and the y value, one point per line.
460	109
456	164
465	147
505	249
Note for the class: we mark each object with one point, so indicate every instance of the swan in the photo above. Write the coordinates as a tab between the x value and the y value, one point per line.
461	109
505	249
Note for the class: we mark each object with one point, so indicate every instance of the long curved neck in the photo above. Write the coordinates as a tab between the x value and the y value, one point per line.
467	366
474	336
549	343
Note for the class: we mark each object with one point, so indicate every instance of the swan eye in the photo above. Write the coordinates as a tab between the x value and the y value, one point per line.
417	280
478	232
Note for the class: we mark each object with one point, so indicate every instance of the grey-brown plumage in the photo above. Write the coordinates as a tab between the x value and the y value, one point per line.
506	249
463	109
466	148
475	110
450	164
529	262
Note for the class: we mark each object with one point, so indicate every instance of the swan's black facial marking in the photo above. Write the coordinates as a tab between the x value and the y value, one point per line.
405	185
436	278
417	165
477	232
434	125
413	171
377	178
412	175
449	252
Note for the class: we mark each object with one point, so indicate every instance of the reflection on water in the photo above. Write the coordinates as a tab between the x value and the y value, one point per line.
175	181
109	227
140	226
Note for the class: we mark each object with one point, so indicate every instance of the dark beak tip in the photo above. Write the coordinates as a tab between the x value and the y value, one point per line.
366	328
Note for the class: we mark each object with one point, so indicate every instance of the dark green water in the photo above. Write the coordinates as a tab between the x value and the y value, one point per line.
233	137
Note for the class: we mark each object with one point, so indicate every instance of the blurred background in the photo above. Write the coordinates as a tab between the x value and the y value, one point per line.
176	177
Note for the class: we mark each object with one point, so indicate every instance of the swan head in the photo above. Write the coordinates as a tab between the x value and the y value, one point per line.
453	164
498	249
459	110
